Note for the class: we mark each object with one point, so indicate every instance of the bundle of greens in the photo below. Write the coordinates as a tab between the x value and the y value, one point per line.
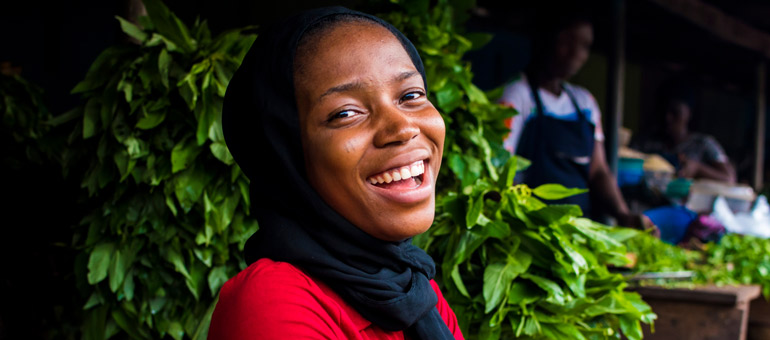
510	266
513	266
738	259
170	208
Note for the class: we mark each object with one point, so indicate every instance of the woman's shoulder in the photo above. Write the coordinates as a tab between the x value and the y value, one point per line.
266	273
266	297
581	94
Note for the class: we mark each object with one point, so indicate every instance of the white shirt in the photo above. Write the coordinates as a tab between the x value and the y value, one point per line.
519	96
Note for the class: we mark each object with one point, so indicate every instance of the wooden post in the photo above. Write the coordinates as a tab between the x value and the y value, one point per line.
615	75
759	149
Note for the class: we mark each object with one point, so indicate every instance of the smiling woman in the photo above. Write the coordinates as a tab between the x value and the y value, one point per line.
365	118
328	116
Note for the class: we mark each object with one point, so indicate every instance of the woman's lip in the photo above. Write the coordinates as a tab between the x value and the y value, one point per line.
409	196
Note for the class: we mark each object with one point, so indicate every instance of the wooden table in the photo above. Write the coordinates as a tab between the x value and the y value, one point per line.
701	313
759	319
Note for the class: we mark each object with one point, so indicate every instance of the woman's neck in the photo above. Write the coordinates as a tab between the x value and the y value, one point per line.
678	138
550	83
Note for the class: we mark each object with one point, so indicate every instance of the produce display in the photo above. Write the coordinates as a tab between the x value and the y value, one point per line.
514	267
736	259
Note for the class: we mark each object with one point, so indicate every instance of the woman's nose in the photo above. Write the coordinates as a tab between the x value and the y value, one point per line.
394	127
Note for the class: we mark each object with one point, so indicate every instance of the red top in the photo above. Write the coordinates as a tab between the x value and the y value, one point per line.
275	300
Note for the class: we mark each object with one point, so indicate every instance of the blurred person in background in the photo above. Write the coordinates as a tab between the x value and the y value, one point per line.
558	127
694	155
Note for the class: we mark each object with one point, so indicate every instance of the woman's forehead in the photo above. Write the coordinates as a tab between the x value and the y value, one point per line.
367	53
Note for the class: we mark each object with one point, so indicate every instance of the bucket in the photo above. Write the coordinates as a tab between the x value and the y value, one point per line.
672	222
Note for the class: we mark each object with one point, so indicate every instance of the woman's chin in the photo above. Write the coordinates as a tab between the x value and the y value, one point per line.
399	229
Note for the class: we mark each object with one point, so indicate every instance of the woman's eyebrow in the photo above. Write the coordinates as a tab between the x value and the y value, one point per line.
341	88
404	76
358	85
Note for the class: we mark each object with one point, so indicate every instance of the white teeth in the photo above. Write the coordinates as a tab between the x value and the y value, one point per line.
416	170
405	173
396	176
408	171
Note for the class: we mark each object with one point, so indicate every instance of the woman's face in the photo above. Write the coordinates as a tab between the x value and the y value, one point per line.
372	141
571	49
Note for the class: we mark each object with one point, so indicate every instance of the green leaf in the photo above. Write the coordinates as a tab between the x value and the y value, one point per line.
164	63
197	279
510	171
189	186
217	277
90	118
609	304
99	262
126	323
201	332
129	286
474	211
183	155
175	258
117	271
458	281
168	25
630	326
556	191
220	151
95	300
555	292
132	30
522	292
175	330
489	332
449	98
94	325
64	117
498	278
150	120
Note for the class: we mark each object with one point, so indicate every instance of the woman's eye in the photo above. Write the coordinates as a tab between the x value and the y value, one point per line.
412	96
342	114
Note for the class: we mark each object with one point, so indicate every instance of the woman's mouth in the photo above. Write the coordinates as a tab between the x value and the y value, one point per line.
400	178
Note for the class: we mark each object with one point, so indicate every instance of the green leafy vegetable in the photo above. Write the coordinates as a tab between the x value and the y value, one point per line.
510	265
171	210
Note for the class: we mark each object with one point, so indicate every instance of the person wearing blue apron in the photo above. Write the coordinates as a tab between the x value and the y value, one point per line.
564	146
560	150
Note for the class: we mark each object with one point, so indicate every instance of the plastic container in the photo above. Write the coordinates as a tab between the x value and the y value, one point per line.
672	222
630	171
704	192
678	188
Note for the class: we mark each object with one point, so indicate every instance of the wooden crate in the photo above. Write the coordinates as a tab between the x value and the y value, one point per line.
702	313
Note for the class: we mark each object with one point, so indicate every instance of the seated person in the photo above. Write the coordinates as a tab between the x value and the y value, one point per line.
694	155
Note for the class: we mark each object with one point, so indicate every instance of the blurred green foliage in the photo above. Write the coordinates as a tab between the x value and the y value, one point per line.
736	259
510	266
170	208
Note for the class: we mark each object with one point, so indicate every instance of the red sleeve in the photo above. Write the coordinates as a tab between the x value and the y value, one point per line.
446	313
273	301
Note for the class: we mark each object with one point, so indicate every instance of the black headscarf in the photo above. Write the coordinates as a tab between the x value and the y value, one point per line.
386	282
